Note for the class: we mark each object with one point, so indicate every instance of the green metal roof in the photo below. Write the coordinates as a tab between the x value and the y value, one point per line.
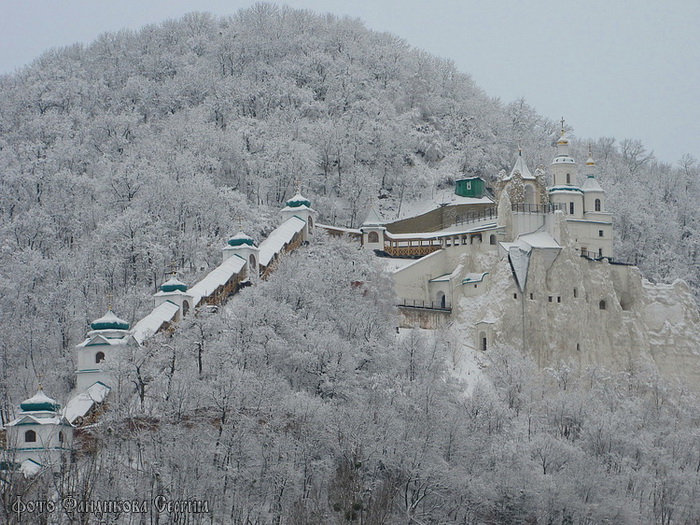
109	321
172	285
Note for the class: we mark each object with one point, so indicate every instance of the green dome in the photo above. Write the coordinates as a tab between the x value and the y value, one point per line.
109	321
40	402
173	284
240	239
298	200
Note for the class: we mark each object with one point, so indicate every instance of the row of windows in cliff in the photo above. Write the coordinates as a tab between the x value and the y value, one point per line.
550	298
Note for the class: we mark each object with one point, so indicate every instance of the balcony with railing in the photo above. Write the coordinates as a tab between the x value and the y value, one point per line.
440	306
477	216
538	208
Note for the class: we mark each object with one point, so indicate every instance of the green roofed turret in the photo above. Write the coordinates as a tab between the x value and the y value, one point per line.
109	321
173	284
241	239
40	402
298	200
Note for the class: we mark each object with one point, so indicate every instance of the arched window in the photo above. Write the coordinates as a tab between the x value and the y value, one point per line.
568	178
99	357
30	436
185	308
483	341
60	437
252	261
492	240
311	223
601	304
529	194
571	208
372	237
575	293
597	205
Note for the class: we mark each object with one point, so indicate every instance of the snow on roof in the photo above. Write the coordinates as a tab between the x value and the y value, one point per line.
39	399
474	277
29	467
519	261
416	208
540	240
447	232
591	184
339	228
27	419
283	234
373	218
109	321
298	208
520	167
217	277
149	325
445	277
565	189
102	340
83	402
418	261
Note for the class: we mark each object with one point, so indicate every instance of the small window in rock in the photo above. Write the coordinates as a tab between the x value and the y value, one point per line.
575	293
515	296
578	347
601	304
532	296
558	299
550	298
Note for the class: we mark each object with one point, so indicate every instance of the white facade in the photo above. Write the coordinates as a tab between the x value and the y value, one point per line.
103	345
40	435
299	206
243	246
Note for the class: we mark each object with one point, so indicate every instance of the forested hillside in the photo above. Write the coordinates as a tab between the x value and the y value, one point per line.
144	149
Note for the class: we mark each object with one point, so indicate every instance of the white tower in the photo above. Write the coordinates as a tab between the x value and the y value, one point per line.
175	291
373	231
243	246
109	334
300	206
40	437
564	190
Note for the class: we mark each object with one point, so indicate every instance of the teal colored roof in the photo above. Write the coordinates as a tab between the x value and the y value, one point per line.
109	321
40	402
240	239
298	200
565	188
173	284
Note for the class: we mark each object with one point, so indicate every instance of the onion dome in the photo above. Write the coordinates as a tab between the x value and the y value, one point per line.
240	239
40	402
298	200
109	321
590	161
562	138
172	285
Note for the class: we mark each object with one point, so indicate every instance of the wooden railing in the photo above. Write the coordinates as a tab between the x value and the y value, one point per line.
397	250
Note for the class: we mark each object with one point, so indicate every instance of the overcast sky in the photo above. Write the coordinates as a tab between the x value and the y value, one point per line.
618	68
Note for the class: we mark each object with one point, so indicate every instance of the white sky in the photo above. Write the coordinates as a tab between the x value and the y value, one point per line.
618	68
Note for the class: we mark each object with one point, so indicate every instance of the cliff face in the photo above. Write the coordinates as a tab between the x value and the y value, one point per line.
589	313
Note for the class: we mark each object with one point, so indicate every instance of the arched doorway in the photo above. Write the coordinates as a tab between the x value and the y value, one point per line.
441	300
